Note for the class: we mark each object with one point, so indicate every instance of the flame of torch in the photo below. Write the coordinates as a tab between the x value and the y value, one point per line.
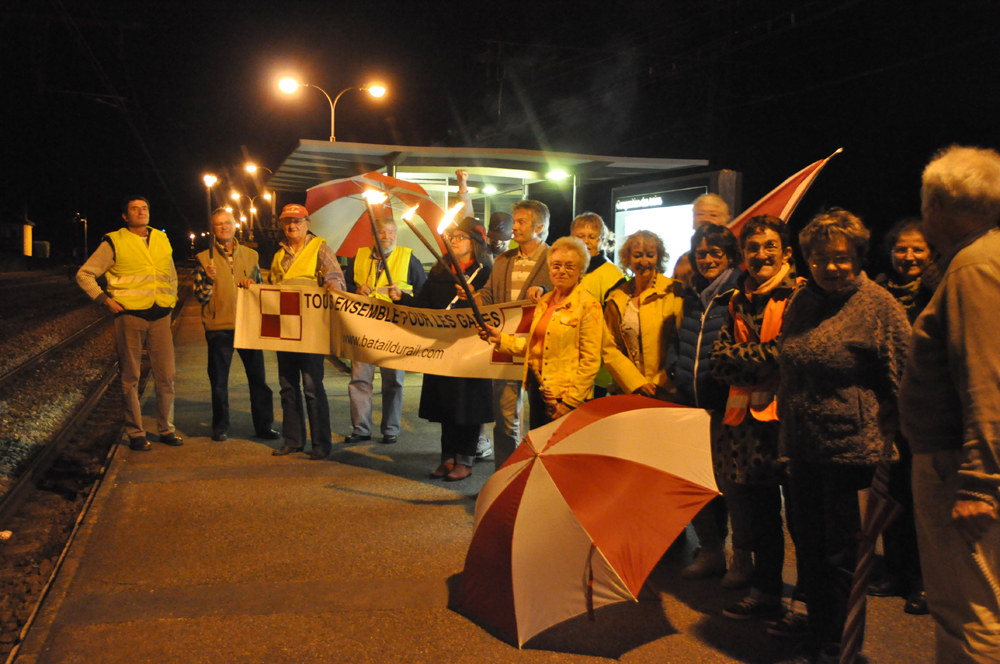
449	217
373	196
408	215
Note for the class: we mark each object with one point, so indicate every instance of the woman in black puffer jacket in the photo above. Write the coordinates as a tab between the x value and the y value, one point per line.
715	258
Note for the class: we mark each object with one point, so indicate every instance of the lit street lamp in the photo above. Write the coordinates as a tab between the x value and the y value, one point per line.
289	85
252	168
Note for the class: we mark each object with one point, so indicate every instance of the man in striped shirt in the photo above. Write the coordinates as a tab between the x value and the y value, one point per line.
514	273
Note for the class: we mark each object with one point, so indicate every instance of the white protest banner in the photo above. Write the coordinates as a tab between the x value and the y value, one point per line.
436	341
295	319
301	319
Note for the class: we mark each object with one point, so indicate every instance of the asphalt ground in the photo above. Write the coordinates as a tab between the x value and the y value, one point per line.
219	552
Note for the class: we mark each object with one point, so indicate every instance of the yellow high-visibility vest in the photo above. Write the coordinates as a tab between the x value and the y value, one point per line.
140	277
399	264
302	271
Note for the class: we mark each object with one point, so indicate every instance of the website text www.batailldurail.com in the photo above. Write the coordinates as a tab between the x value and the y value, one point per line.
393	347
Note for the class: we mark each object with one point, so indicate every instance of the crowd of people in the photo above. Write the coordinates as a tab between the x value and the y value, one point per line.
812	375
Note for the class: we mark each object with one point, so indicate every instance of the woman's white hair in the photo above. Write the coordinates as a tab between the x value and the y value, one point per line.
576	245
964	179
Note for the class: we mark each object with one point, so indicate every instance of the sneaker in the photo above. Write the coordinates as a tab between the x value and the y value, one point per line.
792	626
484	449
706	564
751	608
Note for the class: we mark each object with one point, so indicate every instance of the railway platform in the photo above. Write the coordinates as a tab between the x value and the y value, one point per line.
219	552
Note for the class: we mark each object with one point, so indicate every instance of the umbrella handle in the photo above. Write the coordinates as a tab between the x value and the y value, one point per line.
590	584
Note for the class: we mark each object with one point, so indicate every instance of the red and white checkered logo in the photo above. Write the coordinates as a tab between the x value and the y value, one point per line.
280	314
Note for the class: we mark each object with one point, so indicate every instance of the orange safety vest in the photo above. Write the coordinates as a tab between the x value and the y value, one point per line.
760	399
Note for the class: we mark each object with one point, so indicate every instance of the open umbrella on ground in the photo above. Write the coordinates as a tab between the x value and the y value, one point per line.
584	509
339	214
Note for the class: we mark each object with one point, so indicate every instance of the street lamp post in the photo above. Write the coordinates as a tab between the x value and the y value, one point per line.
252	169
82	219
209	180
290	85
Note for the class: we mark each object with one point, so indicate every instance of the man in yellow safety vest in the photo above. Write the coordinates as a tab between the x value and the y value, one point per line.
370	278
303	260
142	292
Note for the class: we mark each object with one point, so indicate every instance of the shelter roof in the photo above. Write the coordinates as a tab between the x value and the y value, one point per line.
316	162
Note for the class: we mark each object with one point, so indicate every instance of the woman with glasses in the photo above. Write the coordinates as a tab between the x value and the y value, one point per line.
913	283
714	259
602	275
843	347
563	348
461	405
641	316
745	453
912	259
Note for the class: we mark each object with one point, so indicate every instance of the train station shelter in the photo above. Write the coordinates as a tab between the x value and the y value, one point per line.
498	177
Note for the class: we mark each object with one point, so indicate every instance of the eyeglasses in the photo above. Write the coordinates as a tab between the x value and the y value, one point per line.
840	261
455	237
771	248
702	254
294	222
569	266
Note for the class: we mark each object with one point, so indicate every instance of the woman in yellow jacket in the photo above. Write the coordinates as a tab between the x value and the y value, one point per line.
563	347
641	317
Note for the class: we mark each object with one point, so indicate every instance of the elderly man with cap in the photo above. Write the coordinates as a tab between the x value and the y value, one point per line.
304	260
949	406
368	276
142	291
219	273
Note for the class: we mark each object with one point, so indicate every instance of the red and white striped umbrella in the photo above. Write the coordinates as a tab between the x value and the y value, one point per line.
339	214
580	514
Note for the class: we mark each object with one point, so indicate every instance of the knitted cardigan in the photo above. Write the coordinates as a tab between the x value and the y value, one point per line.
841	355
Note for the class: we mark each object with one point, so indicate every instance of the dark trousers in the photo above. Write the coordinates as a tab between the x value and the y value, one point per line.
220	359
902	558
459	439
310	367
759	505
827	525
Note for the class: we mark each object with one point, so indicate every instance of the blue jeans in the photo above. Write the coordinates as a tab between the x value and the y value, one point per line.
360	392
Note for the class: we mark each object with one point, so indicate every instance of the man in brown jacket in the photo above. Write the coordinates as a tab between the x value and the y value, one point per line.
949	406
219	273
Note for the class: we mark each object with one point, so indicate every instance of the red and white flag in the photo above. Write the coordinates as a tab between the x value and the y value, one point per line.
781	202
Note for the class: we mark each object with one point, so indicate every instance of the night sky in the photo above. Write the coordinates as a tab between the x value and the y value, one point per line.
101	98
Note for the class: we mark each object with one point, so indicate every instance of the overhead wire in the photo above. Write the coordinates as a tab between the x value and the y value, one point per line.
92	58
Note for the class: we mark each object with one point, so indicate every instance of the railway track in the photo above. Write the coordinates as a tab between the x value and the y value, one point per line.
47	500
